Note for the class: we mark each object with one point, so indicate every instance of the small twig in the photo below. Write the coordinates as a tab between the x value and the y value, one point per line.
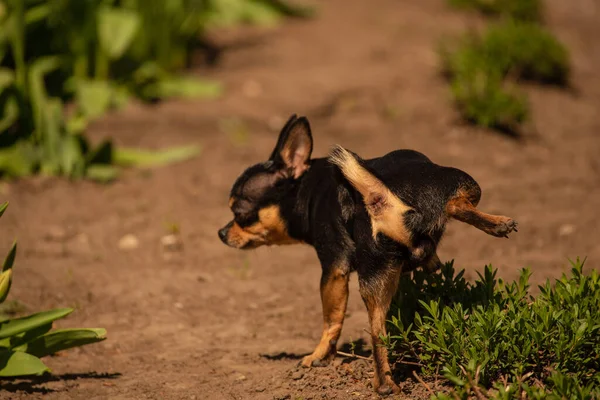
416	364
422	382
478	393
342	353
474	384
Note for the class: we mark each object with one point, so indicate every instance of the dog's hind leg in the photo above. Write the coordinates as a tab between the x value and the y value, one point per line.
334	298
377	292
462	209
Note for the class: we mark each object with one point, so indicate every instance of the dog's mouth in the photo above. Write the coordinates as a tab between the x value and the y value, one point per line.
236	240
248	245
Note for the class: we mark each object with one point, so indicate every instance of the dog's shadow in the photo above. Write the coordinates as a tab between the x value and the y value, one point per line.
33	384
358	347
283	356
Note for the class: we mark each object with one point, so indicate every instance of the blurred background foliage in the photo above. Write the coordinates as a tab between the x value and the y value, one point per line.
484	69
95	55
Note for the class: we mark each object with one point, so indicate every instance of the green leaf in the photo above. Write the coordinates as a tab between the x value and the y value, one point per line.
290	9
18	325
120	97
3	207
37	13
17	363
147	158
77	124
102	173
260	14
5	282
93	97
10	258
24	337
54	138
7	78
116	30
18	160
10	113
188	88
62	339
72	160
37	71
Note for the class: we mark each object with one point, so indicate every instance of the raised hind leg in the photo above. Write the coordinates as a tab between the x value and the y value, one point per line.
462	209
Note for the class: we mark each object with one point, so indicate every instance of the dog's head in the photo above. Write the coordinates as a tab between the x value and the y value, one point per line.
257	195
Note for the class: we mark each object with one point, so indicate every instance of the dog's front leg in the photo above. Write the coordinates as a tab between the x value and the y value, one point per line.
377	291
334	298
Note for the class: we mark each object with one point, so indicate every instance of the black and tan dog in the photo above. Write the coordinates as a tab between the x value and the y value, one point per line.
378	217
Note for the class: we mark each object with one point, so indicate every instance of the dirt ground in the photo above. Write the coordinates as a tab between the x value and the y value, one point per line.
210	322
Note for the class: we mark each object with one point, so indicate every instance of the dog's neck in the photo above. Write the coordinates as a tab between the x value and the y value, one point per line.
312	199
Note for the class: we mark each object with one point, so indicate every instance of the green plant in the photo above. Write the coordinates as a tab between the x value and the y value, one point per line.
96	54
492	339
478	68
525	51
521	10
23	341
483	100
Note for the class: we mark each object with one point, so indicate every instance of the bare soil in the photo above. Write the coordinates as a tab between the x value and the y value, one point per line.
210	322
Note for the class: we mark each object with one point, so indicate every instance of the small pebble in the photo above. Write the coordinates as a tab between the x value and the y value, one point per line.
297	375
566	230
129	242
171	242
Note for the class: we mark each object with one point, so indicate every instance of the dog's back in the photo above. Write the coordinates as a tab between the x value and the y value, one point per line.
424	186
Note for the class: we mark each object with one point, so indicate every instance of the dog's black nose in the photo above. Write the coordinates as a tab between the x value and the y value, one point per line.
223	234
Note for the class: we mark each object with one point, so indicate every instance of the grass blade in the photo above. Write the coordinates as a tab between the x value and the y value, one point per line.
10	258
148	158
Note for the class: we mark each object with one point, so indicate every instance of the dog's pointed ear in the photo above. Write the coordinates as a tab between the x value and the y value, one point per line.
294	146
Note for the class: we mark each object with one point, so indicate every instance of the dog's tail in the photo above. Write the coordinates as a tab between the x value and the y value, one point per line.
384	207
351	165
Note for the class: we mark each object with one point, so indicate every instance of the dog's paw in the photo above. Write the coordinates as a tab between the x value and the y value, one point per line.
388	388
314	361
503	228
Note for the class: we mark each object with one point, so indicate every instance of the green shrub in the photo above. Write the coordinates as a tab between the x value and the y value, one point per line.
521	10
492	339
479	91
23	341
526	51
483	100
478	67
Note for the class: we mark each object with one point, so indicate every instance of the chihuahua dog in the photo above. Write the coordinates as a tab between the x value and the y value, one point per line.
378	217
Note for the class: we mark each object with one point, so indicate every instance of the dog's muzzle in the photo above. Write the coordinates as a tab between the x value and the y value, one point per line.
223	232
